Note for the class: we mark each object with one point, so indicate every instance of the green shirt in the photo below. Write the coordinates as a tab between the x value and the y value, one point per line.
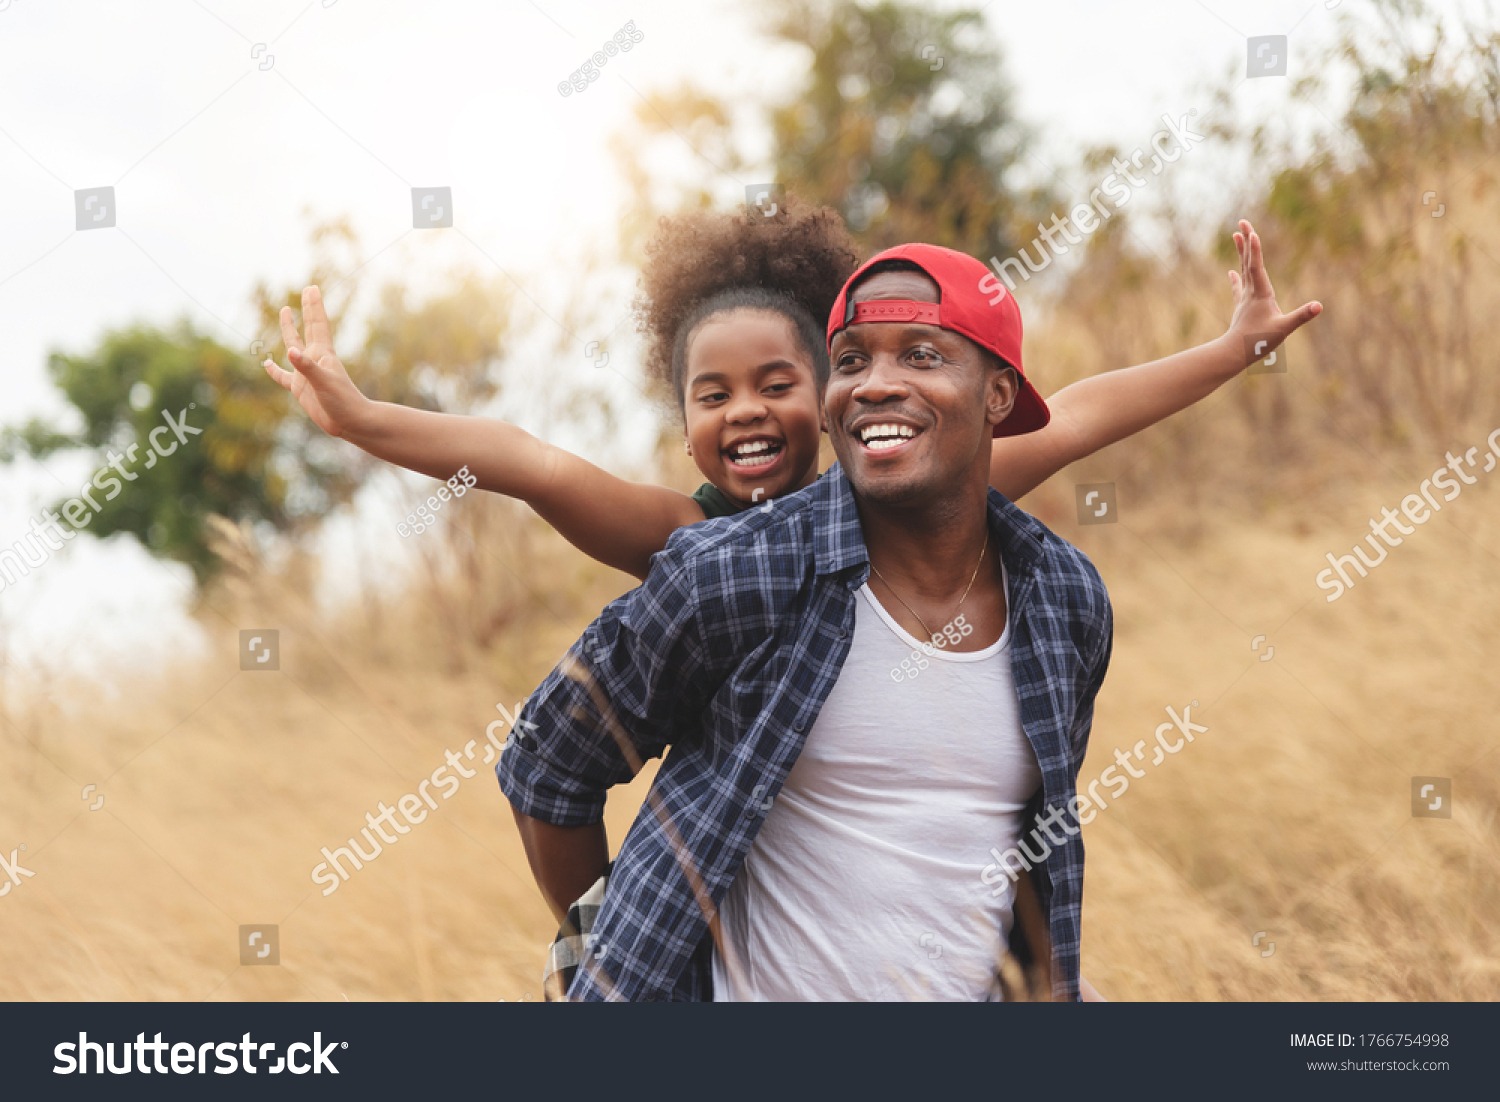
714	502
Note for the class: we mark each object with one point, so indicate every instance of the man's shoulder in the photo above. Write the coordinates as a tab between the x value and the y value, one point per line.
1068	574
1071	563
743	574
783	526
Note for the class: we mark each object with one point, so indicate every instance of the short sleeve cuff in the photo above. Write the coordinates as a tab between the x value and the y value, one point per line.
536	792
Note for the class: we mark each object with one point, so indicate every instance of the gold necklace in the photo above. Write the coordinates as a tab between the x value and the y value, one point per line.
982	549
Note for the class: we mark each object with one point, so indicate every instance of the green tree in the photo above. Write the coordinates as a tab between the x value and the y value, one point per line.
241	466
903	123
257	457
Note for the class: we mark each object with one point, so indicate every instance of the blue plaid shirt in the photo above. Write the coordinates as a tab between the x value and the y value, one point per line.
725	654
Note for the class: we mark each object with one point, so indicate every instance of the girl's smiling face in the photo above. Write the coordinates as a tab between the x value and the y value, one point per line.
751	406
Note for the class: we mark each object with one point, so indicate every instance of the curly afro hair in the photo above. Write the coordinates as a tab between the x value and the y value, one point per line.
703	263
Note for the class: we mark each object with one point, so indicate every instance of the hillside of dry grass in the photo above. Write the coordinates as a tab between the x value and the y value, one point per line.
1291	815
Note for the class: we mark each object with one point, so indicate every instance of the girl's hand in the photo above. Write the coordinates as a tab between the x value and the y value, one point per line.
320	382
1256	316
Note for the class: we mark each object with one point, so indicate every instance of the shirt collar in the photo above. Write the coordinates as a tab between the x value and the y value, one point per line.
839	542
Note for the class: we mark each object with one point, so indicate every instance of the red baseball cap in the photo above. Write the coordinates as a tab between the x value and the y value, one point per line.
972	302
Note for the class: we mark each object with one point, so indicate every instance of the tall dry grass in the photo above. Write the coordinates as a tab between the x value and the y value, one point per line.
221	787
1291	815
1294	814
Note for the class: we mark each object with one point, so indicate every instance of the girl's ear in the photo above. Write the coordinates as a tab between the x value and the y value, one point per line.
688	444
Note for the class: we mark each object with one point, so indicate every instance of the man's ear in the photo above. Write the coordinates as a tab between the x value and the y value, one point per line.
1001	388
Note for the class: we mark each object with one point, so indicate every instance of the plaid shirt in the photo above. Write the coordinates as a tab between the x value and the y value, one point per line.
726	653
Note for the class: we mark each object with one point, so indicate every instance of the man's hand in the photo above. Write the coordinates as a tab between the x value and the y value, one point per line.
320	383
1255	309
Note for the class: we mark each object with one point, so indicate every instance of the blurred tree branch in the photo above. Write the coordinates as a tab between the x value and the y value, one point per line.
903	123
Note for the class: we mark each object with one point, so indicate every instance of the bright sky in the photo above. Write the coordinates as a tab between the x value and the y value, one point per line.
220	123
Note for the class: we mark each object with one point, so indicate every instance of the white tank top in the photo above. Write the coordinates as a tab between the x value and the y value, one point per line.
864	882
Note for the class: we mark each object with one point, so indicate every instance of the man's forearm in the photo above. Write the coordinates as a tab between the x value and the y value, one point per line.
565	860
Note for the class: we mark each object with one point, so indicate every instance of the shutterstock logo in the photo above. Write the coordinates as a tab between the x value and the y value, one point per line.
765	203
260	649
431	207
1432	797
1418	509
188	1058
94	208
1266	56
414	807
1096	503
11	871
260	945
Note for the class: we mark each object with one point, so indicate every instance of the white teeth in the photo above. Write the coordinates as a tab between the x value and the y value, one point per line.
754	461
755	453
885	436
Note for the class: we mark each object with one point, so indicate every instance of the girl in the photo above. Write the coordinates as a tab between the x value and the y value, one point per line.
734	313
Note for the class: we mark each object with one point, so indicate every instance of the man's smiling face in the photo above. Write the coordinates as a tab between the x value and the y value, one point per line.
911	407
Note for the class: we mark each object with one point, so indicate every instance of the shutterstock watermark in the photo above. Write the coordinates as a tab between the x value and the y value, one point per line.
1019	858
1416	509
11	871
47	535
1167	145
413	806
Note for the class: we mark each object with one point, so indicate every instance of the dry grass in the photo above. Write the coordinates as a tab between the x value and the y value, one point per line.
222	786
1292	815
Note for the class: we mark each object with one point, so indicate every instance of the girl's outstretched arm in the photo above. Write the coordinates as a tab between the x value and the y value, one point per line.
621	524
1096	412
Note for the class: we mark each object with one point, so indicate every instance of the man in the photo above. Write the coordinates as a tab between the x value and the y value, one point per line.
820	825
